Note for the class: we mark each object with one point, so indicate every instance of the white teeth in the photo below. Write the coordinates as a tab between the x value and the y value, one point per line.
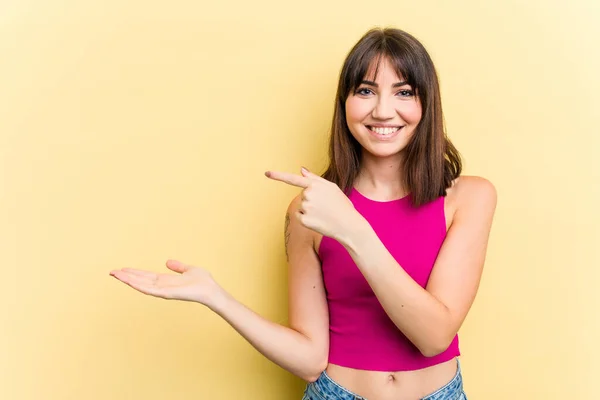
383	131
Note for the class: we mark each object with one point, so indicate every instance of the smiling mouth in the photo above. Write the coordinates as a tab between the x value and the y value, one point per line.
388	130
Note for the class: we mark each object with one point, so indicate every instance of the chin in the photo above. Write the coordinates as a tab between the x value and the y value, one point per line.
386	149
385	153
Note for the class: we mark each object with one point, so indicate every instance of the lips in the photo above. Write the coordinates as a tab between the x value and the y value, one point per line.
384	132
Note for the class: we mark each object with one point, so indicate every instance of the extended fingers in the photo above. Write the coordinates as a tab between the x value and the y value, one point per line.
290	179
136	277
144	283
139	272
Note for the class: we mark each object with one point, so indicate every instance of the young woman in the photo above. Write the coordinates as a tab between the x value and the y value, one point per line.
385	249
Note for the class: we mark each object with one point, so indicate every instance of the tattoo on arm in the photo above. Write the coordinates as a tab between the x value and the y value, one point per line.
287	234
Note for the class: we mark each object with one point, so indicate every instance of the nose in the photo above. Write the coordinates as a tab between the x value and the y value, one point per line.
384	109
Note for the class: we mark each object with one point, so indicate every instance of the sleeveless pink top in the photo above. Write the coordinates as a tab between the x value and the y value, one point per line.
362	336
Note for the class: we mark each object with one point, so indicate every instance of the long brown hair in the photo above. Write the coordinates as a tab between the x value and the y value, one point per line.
431	162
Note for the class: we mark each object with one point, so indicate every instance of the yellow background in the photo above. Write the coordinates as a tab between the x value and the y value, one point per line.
133	132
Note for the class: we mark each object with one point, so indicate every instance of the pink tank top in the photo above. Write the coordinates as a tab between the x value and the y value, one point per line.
362	336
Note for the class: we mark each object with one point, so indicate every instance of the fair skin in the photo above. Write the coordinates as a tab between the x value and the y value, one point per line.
430	317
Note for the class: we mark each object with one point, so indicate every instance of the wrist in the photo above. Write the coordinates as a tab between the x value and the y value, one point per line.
358	231
218	300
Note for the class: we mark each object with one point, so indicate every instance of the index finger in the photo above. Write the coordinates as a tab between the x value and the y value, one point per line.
290	179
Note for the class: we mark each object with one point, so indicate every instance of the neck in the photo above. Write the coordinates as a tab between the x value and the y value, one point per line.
381	177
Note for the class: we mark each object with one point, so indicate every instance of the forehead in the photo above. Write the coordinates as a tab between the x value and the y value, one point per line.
381	68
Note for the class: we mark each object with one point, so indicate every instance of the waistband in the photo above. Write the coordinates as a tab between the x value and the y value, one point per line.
325	388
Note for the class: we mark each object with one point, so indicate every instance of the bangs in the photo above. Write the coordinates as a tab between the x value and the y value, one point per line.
365	66
432	162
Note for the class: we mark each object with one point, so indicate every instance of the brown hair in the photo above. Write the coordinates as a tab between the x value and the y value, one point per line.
431	162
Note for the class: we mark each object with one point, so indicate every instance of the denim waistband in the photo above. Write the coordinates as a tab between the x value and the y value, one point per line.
326	388
452	390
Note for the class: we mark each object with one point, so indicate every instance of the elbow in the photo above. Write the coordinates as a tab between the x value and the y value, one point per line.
311	375
435	348
432	351
311	378
438	341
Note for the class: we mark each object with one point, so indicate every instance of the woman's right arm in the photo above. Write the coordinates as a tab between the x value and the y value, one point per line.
303	347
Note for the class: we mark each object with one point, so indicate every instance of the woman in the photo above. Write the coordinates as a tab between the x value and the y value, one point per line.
385	249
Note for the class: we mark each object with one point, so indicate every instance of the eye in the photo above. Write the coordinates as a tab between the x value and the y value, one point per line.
364	91
406	93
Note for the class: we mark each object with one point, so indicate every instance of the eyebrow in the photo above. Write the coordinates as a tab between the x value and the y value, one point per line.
371	83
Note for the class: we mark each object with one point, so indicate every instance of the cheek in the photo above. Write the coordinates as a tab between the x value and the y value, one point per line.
412	114
355	110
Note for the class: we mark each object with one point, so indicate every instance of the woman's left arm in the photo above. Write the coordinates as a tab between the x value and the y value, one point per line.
430	317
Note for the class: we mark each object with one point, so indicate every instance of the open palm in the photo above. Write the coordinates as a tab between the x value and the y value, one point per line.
190	283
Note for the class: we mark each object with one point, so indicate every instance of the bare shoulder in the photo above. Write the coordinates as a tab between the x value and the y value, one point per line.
472	193
292	223
295	203
294	227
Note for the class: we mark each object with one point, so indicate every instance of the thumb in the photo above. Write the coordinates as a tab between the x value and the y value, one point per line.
177	266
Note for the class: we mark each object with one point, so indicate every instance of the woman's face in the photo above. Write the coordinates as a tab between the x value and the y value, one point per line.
383	112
